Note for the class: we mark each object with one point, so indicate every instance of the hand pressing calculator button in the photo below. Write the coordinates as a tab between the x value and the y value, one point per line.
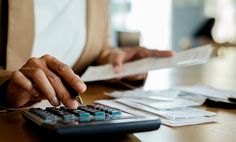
88	120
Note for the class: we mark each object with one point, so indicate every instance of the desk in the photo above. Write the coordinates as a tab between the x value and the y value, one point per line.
12	127
220	73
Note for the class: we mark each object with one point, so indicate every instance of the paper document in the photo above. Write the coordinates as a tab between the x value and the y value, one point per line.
158	99
206	91
177	117
189	121
164	95
197	55
125	108
176	103
178	113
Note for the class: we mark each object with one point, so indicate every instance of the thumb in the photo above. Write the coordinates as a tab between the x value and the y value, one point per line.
164	53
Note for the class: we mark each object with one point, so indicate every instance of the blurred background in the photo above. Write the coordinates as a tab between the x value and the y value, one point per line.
179	25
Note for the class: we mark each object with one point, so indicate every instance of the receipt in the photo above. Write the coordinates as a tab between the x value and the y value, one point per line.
197	55
174	117
163	95
160	105
170	114
206	90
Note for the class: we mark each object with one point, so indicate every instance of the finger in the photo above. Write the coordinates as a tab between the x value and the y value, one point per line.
42	82
61	91
157	53
142	52
117	60
16	96
20	80
136	77
65	72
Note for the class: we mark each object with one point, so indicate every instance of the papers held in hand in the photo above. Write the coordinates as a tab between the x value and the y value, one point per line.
197	55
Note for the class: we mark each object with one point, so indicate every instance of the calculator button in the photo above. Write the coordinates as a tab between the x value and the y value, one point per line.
46	116
97	115
115	113
82	115
66	116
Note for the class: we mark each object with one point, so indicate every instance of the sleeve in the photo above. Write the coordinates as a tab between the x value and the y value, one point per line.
4	80
3	92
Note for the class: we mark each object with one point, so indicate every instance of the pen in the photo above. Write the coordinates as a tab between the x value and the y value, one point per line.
79	99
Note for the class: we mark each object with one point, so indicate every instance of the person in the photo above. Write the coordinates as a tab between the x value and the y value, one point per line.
50	43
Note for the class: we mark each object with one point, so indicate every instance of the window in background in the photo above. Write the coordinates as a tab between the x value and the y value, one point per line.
152	19
224	12
187	17
119	11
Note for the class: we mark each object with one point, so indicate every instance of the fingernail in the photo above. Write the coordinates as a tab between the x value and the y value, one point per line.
117	69
74	105
81	86
55	101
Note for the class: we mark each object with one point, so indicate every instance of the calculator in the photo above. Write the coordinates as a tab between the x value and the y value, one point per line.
88	120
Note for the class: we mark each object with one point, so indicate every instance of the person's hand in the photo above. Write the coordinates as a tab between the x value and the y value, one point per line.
121	55
43	77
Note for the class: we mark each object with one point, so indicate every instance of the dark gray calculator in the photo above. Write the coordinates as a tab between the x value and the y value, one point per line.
88	120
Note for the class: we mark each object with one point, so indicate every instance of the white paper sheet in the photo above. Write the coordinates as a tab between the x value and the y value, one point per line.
177	113
162	105
124	108
159	99
198	55
206	91
189	121
164	95
181	117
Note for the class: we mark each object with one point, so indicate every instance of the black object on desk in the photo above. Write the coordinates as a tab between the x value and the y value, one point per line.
231	99
229	104
88	120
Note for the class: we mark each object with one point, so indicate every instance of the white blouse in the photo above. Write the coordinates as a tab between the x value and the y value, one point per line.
60	29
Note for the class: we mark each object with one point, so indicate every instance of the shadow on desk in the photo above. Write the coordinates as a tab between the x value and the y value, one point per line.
109	138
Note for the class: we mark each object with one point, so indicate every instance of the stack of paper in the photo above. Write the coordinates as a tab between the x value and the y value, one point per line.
206	91
174	109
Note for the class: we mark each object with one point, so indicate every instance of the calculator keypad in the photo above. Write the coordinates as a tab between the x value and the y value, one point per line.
94	119
84	113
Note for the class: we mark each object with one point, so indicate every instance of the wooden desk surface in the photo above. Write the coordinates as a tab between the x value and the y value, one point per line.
13	128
